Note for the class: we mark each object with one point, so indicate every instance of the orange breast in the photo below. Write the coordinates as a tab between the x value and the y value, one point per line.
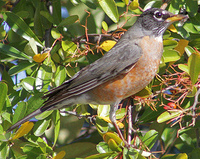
125	85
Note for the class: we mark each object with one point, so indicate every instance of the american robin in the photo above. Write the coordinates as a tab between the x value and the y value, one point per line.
125	70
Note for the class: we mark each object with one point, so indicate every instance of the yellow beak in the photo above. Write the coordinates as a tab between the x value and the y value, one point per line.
177	17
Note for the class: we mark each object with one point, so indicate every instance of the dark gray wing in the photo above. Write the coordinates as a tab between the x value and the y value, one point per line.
119	59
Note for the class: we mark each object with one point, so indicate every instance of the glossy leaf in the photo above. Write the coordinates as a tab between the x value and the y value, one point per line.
18	25
56	11
150	138
19	112
194	66
168	115
108	44
20	67
68	21
24	129
113	145
13	52
104	25
60	155
28	83
146	92
55	33
40	57
4	91
110	9
172	28
41	126
57	126
100	156
107	119
69	46
31	48
109	135
60	75
134	5
189	50
169	44
170	56
183	68
47	15
181	46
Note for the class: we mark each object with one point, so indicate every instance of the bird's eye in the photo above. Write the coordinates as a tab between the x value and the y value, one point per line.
158	15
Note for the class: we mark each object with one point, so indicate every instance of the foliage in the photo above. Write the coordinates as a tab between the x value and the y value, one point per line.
40	48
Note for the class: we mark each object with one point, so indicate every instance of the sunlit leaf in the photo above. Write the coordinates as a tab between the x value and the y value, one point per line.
20	67
18	25
170	55
104	25
40	57
110	9
194	66
167	116
134	5
181	46
60	155
110	135
3	90
172	28
24	129
68	21
13	52
108	44
113	145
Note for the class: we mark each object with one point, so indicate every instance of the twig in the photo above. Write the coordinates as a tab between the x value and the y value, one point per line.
193	108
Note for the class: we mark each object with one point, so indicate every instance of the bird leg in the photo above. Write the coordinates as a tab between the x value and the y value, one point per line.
113	109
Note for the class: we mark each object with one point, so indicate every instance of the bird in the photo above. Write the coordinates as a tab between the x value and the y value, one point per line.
122	72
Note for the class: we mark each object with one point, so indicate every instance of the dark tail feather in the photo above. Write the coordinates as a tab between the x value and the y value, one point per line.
33	114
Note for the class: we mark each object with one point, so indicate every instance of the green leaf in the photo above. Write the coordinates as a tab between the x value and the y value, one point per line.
90	3
150	138
60	75
28	83
57	11
31	48
113	146
103	110
34	103
3	90
100	156
183	68
194	66
110	9
69	46
78	150
41	126
68	21
24	65
169	44
47	15
102	147
189	50
13	52
55	33
43	115
38	29
56	120
20	111
18	25
168	115
104	25
101	125
170	55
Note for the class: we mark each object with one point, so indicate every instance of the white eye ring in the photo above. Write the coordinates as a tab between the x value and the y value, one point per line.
158	15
